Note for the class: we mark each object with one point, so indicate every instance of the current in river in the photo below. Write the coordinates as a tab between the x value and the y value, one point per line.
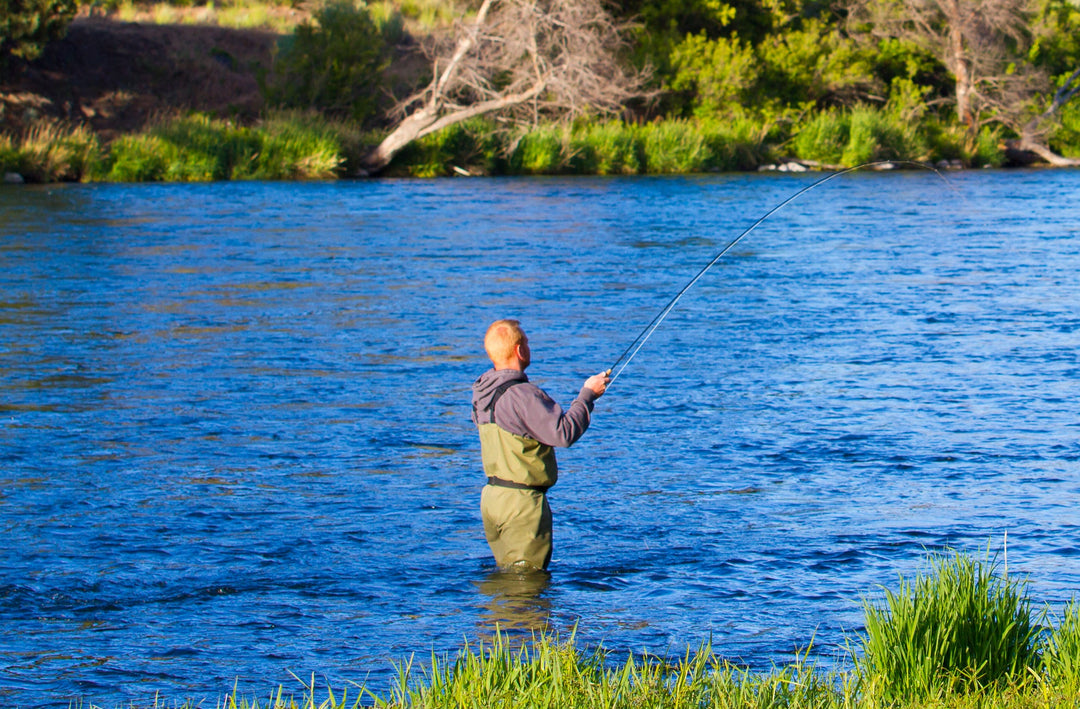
236	449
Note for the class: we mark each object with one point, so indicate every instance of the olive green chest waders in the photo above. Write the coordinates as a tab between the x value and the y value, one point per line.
513	505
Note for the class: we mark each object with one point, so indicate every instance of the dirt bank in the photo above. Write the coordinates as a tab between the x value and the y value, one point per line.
115	77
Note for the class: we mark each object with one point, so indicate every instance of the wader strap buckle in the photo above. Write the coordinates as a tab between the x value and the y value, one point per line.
499	482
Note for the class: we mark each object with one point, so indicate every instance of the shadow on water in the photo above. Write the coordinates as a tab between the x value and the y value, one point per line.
514	602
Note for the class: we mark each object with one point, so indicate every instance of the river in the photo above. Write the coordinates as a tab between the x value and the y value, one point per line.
236	443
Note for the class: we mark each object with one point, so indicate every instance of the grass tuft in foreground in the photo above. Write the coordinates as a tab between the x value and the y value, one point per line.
960	627
961	636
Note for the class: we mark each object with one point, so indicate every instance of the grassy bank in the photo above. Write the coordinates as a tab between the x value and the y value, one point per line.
962	635
296	145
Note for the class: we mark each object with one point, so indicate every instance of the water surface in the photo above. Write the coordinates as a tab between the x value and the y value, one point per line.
236	440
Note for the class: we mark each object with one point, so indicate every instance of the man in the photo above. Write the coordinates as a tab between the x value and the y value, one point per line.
519	427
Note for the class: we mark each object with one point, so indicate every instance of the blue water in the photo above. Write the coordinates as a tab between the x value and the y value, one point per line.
236	441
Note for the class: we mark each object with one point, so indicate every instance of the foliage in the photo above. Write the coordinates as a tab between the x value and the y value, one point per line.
1061	658
824	137
332	64
814	64
1066	140
717	73
960	627
199	149
27	25
471	146
540	151
609	148
51	152
675	147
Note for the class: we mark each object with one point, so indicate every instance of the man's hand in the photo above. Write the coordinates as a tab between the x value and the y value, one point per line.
598	382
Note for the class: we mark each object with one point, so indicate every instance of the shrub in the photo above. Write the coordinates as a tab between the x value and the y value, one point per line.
1066	140
541	151
138	158
470	145
197	148
292	146
332	65
51	152
26	26
959	627
824	138
737	143
675	146
609	148
717	72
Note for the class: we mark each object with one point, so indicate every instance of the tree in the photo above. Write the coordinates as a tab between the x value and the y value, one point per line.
332	64
27	25
980	42
525	59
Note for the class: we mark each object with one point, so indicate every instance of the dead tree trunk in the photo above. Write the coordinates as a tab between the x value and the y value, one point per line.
529	58
1031	139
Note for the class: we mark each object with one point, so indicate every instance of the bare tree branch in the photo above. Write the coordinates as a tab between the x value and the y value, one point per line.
976	40
525	59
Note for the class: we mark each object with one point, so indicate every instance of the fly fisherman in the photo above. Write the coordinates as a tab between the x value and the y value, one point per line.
519	426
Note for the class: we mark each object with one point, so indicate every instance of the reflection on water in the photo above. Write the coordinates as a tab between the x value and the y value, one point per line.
515	601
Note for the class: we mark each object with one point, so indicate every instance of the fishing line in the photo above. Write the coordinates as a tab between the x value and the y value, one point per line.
649	329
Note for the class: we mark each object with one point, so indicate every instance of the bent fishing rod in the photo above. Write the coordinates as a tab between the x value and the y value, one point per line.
649	329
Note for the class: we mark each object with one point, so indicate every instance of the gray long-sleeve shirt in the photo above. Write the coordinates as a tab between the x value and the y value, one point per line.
525	410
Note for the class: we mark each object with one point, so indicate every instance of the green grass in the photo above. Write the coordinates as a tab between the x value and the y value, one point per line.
963	635
278	17
199	149
960	627
51	152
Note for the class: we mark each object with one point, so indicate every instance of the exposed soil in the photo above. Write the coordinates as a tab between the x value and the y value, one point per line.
115	77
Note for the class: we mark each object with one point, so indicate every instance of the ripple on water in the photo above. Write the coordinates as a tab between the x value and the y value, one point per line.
237	442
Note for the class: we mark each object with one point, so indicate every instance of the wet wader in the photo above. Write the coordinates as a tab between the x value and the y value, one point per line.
513	505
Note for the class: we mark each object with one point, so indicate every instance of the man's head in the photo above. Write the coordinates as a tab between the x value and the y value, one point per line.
507	346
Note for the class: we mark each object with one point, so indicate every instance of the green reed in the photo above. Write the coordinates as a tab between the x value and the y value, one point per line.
962	636
1061	656
51	152
960	627
198	148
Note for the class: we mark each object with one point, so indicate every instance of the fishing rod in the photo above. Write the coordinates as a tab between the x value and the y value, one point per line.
649	329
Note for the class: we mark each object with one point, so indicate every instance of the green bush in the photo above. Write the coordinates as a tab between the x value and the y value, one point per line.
824	138
138	158
1066	140
51	152
333	64
292	146
541	151
609	148
961	627
675	146
26	26
717	73
873	136
471	145
198	149
737	143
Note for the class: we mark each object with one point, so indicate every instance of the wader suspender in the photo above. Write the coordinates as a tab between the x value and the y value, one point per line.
499	482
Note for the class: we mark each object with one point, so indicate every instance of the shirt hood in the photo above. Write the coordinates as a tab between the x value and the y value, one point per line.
483	389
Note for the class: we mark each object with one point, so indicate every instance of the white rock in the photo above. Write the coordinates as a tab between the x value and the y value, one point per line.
13	178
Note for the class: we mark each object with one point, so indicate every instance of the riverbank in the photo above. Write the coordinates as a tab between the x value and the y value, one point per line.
127	101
